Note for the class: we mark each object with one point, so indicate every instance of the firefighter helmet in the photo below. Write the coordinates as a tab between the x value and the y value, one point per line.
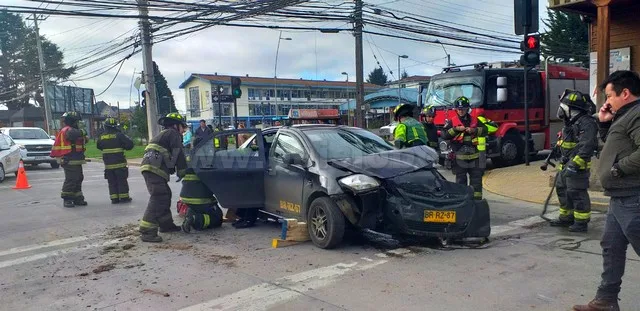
402	110
578	100
71	117
429	111
171	119
110	122
461	103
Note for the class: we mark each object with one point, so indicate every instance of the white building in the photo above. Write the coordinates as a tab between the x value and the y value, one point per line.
258	102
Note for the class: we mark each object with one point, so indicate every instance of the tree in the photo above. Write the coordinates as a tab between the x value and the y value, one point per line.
377	77
139	124
19	63
567	39
166	103
404	74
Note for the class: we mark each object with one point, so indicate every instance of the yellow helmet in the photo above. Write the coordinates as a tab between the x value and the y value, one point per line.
171	119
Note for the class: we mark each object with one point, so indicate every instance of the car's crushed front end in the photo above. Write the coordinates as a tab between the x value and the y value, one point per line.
401	192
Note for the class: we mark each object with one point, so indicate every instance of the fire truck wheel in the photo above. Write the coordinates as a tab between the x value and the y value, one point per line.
511	150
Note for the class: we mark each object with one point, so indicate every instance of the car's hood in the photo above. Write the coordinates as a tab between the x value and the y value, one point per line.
33	141
391	163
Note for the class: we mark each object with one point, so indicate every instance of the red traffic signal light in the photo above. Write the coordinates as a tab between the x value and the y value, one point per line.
532	43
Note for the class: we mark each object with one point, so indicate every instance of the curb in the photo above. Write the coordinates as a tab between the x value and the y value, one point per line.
596	206
130	163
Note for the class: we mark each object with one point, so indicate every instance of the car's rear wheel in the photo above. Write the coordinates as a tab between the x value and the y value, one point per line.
2	174
326	223
55	165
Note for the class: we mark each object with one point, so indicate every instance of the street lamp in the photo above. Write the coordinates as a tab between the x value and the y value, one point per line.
346	74
275	71
445	51
399	57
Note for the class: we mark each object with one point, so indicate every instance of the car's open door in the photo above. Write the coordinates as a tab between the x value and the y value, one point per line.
235	175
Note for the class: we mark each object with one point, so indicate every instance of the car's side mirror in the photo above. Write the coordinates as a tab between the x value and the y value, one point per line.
292	159
52	137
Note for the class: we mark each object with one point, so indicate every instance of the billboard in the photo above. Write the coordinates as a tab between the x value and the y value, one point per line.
619	59
63	98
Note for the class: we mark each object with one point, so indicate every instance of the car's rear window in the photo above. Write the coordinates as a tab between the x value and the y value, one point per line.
334	144
28	134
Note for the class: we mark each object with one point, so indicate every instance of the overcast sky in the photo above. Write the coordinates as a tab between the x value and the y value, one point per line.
241	51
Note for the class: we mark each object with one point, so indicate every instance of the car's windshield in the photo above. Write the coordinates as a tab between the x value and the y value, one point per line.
28	134
444	91
334	144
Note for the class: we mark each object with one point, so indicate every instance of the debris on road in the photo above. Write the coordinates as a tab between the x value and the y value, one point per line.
104	268
119	232
174	246
155	292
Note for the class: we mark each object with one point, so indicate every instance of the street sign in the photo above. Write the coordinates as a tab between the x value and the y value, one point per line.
222	98
526	14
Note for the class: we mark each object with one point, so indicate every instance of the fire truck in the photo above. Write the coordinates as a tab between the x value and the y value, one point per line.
498	94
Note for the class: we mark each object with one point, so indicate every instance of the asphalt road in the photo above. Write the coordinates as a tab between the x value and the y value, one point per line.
89	258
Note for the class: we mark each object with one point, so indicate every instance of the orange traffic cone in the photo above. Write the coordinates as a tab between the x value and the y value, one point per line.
21	180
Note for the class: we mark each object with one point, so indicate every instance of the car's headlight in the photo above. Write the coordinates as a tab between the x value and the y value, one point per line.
22	147
359	182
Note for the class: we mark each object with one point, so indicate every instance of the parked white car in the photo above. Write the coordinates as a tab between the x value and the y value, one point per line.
9	156
388	129
35	144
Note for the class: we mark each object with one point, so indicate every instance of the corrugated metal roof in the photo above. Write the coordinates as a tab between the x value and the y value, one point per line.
226	79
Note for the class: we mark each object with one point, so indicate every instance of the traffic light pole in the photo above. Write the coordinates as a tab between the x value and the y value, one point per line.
219	107
526	105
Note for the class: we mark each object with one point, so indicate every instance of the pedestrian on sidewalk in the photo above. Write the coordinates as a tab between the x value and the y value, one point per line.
619	174
162	157
577	143
112	142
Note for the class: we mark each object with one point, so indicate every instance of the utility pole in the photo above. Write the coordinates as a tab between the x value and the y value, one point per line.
149	81
47	107
359	64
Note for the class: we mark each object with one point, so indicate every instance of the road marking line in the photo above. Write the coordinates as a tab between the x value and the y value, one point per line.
27	248
22	260
521	223
266	295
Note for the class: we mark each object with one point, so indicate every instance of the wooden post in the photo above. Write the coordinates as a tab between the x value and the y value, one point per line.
603	45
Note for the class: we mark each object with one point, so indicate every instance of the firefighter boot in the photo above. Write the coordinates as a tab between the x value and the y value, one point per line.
578	226
125	200
188	221
170	228
115	201
150	235
561	222
598	305
69	203
80	201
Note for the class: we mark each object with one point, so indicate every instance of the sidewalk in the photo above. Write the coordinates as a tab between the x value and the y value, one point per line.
529	183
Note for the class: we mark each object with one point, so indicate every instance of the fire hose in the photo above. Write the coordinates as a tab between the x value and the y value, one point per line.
544	167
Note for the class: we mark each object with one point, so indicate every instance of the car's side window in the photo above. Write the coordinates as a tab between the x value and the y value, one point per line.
4	142
287	144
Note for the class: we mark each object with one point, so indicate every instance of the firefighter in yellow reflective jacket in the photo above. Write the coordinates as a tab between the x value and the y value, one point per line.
427	115
162	157
577	143
203	212
409	132
468	137
113	143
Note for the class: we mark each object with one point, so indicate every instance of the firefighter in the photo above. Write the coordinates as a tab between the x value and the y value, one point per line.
409	132
428	114
113	143
162	157
68	149
468	137
203	211
577	142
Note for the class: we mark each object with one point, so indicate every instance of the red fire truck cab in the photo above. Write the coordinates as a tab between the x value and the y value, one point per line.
498	94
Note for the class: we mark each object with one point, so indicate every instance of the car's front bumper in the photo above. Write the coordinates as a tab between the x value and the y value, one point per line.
34	157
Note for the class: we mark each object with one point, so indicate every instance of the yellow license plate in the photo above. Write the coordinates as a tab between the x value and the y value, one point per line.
440	216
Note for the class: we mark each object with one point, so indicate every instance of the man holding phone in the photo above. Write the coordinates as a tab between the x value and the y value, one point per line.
619	174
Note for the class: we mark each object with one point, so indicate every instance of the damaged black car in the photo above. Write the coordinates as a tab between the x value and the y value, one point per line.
334	176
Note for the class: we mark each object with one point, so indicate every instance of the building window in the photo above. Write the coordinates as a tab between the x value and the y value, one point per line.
194	101
263	108
226	109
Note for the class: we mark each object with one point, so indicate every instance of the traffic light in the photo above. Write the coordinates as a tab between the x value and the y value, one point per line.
235	87
531	48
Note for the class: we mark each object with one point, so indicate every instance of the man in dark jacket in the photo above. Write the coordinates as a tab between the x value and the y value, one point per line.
577	143
162	157
113	143
619	173
202	131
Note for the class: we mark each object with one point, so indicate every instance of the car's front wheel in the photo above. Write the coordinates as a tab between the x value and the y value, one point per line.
2	174
326	223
